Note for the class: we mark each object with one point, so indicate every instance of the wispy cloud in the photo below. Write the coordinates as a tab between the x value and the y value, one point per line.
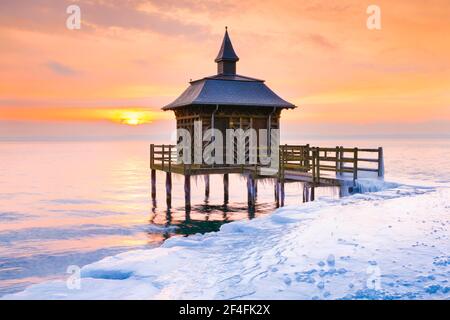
321	41
60	69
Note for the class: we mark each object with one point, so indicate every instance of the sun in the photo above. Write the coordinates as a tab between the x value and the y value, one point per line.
132	117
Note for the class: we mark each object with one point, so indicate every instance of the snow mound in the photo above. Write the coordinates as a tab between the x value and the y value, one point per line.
391	244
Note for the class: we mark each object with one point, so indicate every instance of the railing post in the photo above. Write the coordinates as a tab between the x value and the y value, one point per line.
152	156
313	164
307	156
318	164
285	157
280	161
162	157
338	163
380	162
355	164
170	157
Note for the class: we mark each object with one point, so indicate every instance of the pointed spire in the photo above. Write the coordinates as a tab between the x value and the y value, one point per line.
227	58
226	52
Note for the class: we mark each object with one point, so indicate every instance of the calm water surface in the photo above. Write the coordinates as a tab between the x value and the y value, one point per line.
72	203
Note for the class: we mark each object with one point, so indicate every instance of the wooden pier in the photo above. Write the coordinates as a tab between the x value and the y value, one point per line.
313	166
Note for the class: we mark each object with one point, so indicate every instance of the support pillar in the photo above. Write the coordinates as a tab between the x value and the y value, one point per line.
312	193
153	181
276	189
251	191
225	188
169	190
282	193
305	193
187	191
207	187
153	187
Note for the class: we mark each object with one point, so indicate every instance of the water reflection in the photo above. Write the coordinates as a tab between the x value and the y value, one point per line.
205	216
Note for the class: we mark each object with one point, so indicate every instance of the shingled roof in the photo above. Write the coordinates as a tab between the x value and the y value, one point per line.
229	89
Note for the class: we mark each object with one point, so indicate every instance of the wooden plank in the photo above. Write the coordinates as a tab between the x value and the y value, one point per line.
368	160
368	169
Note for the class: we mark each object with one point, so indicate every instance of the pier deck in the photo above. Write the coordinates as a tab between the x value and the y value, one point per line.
313	166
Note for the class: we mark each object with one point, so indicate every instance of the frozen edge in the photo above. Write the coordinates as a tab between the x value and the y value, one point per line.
159	273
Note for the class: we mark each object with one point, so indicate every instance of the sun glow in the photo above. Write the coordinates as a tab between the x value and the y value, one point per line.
127	116
132	118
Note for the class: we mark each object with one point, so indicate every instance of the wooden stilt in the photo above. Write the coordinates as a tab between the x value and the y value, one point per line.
312	193
153	188
153	181
305	193
207	186
282	193
169	189
225	188
278	193
342	191
251	191
277	198
256	188
187	191
251	212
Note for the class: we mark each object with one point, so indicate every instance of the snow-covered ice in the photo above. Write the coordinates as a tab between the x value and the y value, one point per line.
389	244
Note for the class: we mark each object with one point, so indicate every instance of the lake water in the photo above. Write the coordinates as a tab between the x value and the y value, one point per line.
73	203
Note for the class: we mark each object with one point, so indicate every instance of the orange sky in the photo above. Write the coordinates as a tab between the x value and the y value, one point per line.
139	55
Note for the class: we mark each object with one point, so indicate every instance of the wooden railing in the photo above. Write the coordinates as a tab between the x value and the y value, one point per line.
163	155
300	158
339	160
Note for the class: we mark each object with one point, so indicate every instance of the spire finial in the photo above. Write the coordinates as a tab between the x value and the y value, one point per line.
227	58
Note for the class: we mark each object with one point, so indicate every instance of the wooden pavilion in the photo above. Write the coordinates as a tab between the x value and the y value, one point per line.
228	100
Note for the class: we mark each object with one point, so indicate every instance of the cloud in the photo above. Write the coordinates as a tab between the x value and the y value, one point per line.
60	69
321	41
50	15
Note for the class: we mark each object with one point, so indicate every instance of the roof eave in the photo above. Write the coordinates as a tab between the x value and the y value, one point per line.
282	106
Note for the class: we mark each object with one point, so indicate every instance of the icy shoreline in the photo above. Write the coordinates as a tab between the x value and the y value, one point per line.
390	244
